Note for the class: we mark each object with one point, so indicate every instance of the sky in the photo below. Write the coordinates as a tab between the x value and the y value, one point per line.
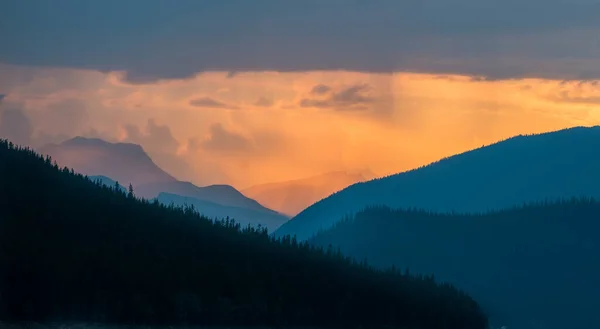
249	92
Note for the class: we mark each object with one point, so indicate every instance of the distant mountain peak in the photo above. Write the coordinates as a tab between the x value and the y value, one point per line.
125	162
80	141
291	197
222	187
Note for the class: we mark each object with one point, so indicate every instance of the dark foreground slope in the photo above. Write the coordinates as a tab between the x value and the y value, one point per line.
72	250
520	169
531	267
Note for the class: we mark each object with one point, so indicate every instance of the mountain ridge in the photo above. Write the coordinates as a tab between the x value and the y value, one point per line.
125	162
519	169
244	216
291	197
129	163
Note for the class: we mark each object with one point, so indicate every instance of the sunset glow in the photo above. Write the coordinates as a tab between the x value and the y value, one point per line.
252	128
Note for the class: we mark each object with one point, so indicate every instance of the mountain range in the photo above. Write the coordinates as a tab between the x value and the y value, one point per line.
520	169
78	252
461	218
291	197
129	163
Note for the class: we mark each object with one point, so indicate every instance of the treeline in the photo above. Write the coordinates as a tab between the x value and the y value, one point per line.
75	250
531	266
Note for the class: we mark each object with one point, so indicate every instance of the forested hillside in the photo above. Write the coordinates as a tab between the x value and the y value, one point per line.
530	267
74	250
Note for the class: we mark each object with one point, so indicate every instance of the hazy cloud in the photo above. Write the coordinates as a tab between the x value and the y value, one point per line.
224	141
162	146
65	116
320	89
568	97
37	127
15	126
264	102
151	40
157	137
209	102
349	98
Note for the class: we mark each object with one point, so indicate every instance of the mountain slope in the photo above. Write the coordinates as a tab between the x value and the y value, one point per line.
534	267
268	219
75	251
291	197
128	163
520	169
222	194
124	162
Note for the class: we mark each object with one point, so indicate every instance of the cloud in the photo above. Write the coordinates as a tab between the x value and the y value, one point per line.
567	97
224	141
320	89
162	146
586	93
54	123
347	99
15	126
151	41
156	137
212	103
65	116
264	102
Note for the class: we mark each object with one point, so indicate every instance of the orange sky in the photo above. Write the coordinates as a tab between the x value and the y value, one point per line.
253	128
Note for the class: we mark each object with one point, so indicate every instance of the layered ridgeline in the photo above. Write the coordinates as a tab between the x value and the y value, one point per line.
520	169
291	197
129	164
206	208
107	181
74	250
531	267
268	220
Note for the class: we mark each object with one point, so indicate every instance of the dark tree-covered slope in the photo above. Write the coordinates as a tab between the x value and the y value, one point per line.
532	267
74	250
520	169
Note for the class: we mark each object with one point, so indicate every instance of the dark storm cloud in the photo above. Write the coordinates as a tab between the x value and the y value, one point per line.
154	39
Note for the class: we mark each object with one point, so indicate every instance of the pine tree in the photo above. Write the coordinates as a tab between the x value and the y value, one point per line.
130	193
